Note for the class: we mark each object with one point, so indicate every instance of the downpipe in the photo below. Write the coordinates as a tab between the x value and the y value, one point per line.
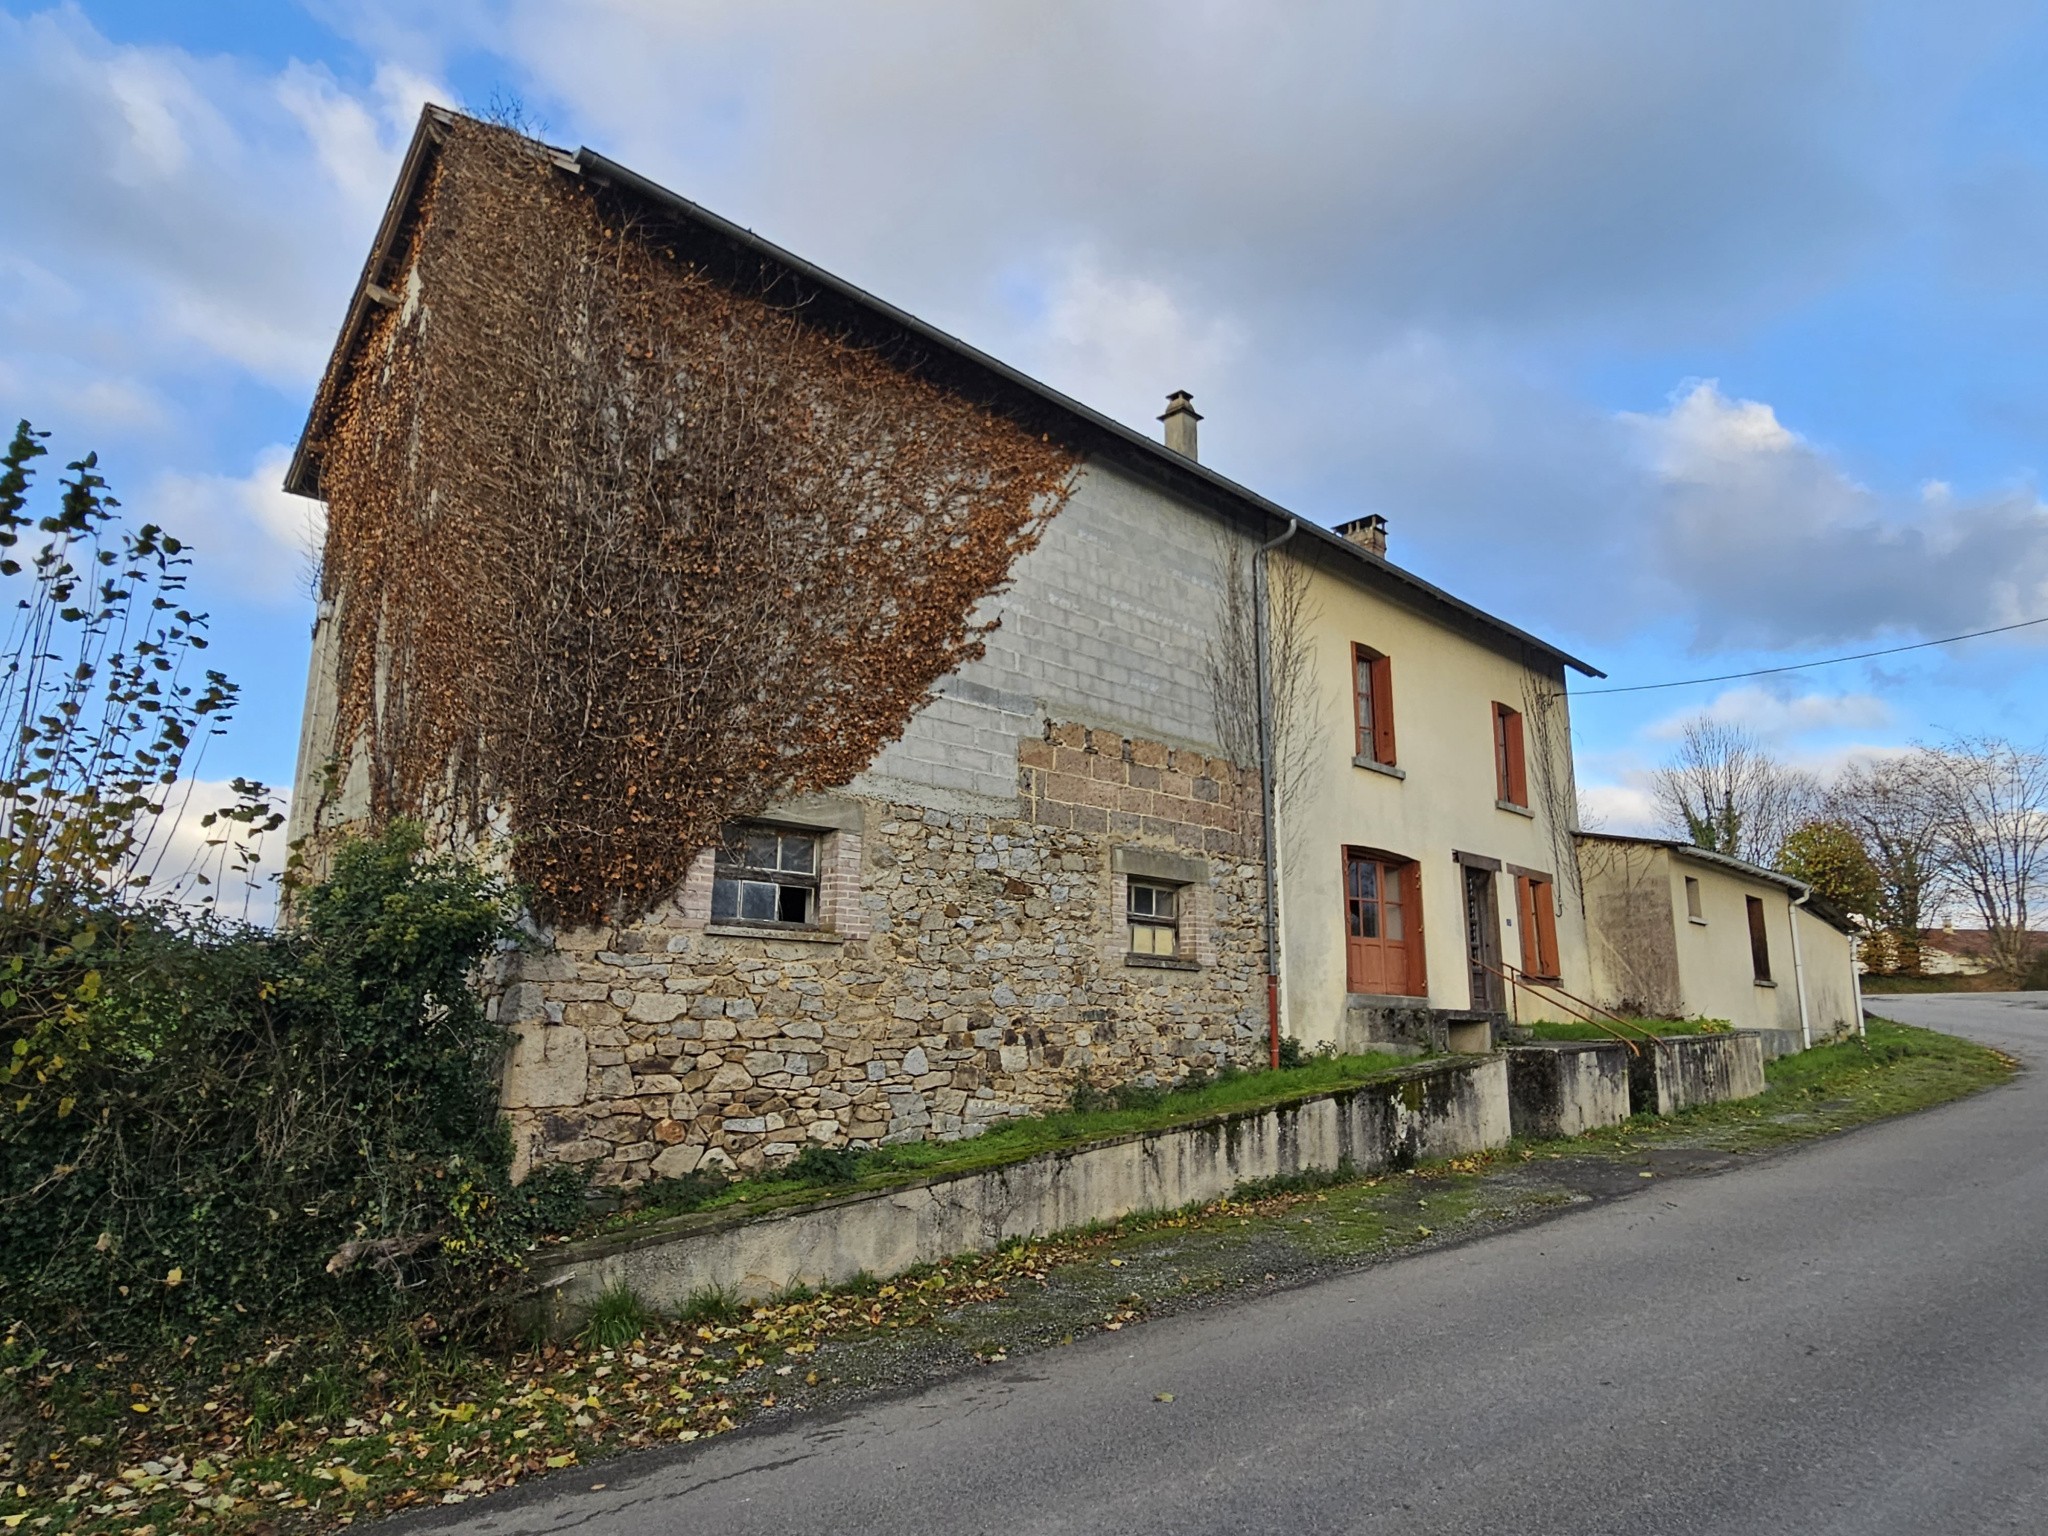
1268	810
1799	970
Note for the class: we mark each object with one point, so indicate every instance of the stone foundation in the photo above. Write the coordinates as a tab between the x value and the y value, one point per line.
967	968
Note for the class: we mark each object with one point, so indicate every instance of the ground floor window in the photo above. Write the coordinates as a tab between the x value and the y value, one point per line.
1154	911
1537	898
766	875
1759	939
1382	924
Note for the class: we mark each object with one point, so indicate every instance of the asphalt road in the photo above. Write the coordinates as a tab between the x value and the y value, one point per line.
1849	1338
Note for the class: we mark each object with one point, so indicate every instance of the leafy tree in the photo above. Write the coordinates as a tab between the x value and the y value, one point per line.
1830	857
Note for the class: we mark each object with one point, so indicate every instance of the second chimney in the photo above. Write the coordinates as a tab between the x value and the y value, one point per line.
1180	419
1367	533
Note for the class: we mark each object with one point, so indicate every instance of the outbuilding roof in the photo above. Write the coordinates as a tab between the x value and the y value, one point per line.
739	255
1819	905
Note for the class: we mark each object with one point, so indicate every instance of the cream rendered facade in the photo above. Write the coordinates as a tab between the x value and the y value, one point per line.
1436	808
1671	936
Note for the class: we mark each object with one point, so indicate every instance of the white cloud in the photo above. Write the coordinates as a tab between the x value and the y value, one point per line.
244	529
193	862
1625	808
1776	718
200	210
1110	339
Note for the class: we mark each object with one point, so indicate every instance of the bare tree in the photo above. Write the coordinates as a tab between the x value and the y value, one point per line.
1991	835
1889	803
1234	670
1722	790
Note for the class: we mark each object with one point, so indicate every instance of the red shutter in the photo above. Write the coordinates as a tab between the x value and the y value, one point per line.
1525	917
1382	710
1510	771
1518	773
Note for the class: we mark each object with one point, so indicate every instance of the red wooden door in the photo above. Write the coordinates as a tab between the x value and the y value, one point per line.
1379	898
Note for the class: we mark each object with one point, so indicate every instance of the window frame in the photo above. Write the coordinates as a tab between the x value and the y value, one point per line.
1372	706
1536	908
1136	922
1759	940
730	867
1510	758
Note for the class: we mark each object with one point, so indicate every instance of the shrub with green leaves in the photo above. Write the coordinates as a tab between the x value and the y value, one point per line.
272	1126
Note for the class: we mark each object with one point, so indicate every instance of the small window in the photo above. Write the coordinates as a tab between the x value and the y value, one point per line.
1537	898
1759	940
1510	769
1693	909
1373	698
766	875
1154	912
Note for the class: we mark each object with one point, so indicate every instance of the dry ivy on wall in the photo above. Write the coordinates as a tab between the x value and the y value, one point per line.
622	553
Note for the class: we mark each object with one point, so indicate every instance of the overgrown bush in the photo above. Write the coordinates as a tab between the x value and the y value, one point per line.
244	1127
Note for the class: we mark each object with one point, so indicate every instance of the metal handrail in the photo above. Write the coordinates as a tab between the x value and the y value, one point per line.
1577	1007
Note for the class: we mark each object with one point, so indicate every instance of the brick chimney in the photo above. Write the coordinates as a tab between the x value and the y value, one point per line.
1367	533
1180	419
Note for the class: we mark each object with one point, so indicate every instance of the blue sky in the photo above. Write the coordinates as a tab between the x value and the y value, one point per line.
1694	338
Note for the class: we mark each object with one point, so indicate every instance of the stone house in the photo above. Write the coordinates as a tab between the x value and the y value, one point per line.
1054	867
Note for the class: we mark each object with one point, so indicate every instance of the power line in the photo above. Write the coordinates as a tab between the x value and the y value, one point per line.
1801	666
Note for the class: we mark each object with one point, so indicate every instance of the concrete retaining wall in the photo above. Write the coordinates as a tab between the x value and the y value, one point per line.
1432	1110
1680	1071
1567	1088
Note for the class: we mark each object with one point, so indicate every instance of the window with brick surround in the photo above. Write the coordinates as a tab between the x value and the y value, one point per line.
1373	703
1154	912
1510	767
766	874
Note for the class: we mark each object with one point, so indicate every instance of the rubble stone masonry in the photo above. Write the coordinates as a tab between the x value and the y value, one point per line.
967	968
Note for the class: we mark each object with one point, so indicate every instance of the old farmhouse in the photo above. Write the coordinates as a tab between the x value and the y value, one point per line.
889	742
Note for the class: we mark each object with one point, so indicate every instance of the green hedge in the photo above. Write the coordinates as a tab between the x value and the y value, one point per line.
211	1127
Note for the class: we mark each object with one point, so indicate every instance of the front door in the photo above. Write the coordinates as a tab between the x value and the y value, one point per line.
1379	915
1482	939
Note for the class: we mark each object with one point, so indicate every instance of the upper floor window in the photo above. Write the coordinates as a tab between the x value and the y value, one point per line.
1510	766
766	875
1154	912
1373	696
1693	908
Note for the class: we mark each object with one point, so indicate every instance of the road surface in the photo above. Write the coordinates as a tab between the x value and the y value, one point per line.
1850	1338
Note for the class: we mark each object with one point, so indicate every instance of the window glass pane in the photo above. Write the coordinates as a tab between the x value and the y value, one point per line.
1368	920
1151	939
795	906
1365	879
758	901
1163	901
759	849
1141	900
725	898
1390	906
799	852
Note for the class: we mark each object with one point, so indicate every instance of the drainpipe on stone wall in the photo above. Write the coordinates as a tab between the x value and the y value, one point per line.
1799	970
1268	810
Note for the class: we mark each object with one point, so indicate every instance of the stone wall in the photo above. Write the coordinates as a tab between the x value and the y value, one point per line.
967	968
1436	1110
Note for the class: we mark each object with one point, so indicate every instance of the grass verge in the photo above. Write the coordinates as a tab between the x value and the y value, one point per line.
319	1432
1124	1111
1573	1029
